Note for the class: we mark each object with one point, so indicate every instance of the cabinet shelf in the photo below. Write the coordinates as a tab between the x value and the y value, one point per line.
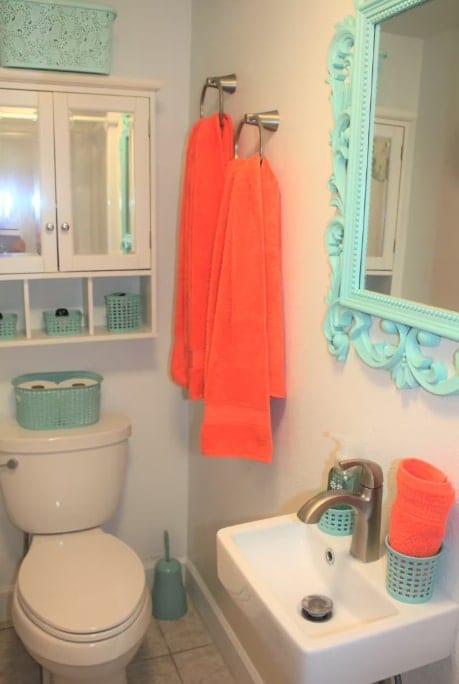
40	338
82	291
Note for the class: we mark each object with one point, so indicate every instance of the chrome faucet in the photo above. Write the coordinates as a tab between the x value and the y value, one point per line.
366	500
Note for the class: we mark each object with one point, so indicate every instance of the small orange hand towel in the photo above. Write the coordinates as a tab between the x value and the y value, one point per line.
420	510
210	147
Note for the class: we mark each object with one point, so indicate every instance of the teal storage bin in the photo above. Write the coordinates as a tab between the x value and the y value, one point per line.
8	323
59	322
124	311
66	399
410	579
64	35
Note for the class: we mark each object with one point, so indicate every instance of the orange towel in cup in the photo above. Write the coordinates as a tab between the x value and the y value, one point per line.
418	516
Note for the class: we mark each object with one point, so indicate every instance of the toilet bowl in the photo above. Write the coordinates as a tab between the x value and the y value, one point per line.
81	605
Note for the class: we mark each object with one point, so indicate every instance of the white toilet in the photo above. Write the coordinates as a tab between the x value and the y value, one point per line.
81	604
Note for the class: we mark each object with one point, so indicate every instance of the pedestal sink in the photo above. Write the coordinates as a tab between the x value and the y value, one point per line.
269	565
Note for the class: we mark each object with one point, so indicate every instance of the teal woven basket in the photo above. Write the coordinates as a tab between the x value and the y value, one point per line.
338	521
408	578
8	322
48	401
124	311
59	322
63	35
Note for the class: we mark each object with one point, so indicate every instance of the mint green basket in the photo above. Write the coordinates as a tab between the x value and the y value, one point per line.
68	323
74	401
63	35
410	579
124	311
8	322
338	521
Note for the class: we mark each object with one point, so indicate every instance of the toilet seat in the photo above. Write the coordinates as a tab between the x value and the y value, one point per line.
81	586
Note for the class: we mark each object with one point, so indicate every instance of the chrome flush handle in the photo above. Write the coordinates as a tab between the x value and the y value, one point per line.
11	464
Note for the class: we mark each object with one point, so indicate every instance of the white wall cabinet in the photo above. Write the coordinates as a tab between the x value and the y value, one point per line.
76	199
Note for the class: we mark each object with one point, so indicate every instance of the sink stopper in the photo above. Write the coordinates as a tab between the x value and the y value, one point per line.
316	608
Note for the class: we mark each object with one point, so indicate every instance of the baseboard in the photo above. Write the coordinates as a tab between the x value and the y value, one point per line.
224	637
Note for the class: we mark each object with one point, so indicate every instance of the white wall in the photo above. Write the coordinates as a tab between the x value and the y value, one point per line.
427	201
279	52
400	74
151	40
447	201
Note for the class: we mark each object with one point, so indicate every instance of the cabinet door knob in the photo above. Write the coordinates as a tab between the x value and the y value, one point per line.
65	227
49	227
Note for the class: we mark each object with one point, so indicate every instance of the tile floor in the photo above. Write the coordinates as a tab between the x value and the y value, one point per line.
173	652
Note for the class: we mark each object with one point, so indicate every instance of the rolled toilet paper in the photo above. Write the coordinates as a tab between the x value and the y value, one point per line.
37	385
78	382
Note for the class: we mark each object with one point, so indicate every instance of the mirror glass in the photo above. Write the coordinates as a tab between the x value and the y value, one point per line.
413	240
19	181
102	185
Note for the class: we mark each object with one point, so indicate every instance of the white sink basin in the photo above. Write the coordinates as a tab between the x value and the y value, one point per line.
268	566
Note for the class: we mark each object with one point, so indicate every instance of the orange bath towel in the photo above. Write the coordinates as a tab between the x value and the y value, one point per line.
418	515
245	351
209	149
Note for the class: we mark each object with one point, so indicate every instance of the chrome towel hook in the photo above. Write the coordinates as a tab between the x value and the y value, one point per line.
264	120
225	84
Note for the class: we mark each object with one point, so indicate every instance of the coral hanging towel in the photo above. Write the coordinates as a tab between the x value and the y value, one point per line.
209	149
419	512
245	348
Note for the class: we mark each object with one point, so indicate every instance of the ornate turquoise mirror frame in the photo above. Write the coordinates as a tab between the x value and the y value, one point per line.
370	303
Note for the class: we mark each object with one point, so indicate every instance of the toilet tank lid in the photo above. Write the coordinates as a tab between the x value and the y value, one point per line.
110	429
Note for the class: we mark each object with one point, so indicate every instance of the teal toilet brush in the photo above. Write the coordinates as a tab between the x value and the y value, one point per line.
169	597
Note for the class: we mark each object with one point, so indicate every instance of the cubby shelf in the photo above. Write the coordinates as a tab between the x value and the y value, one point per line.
30	295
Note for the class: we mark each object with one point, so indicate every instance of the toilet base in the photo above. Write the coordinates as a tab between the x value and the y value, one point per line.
48	678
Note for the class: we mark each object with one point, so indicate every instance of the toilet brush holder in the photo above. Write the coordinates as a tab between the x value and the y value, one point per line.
168	596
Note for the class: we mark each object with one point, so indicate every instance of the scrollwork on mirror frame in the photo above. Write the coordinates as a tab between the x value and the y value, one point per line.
404	356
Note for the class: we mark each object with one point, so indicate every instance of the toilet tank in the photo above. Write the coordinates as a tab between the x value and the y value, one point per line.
64	480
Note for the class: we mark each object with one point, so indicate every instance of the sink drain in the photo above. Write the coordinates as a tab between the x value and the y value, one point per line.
316	608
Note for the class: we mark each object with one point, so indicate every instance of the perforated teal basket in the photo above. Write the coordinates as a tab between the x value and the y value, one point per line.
408	578
338	521
57	323
46	401
8	322
124	311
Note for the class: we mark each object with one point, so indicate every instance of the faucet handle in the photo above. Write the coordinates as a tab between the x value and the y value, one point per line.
371	473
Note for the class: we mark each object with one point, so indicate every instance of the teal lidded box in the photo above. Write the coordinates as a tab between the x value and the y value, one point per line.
63	35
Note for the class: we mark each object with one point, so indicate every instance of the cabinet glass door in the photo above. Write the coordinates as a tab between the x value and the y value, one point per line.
27	211
102	172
